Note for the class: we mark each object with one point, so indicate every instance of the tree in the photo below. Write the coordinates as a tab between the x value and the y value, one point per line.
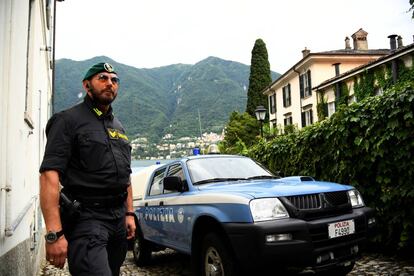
260	77
240	133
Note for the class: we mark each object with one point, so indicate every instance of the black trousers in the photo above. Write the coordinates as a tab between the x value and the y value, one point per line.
96	247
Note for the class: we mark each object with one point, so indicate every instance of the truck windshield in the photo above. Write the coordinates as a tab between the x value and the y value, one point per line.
225	169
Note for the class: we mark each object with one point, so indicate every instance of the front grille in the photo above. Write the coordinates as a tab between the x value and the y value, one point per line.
315	206
306	201
336	198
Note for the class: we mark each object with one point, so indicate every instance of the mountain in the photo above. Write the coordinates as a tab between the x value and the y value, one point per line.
180	99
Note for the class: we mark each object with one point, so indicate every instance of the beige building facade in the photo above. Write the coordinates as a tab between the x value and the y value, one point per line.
389	66
292	101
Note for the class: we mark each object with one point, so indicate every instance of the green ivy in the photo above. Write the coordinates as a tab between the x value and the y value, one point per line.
321	107
344	97
364	84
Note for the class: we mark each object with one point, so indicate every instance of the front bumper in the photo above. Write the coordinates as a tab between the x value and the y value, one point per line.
310	245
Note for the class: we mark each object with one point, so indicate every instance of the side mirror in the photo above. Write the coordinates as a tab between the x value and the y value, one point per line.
174	183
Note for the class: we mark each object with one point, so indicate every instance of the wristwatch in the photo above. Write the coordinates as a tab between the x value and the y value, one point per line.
52	236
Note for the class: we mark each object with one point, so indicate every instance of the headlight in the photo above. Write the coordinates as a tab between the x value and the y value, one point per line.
263	209
356	199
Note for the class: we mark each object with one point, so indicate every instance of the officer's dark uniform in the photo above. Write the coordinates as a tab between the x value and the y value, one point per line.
92	155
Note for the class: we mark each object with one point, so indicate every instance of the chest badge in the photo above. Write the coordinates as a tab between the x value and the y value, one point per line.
114	134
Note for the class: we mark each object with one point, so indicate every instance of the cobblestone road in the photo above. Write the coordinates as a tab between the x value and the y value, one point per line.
170	263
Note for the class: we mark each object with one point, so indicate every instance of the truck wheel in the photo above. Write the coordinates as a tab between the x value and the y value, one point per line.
141	250
216	260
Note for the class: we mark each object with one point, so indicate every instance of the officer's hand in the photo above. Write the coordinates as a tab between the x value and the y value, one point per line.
56	252
130	226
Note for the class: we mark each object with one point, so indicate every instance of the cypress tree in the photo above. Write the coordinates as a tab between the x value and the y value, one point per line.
260	77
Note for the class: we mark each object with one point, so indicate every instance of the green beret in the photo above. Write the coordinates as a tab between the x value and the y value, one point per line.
98	68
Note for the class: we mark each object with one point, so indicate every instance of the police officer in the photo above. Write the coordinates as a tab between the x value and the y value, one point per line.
88	153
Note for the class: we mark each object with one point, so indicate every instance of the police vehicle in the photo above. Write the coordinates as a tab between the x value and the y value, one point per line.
230	214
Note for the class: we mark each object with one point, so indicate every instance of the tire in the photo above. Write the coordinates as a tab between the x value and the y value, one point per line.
216	258
141	250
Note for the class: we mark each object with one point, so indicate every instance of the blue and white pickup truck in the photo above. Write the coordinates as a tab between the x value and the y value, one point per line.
230	214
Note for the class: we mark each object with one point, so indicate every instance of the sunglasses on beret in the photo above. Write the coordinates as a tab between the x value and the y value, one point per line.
105	78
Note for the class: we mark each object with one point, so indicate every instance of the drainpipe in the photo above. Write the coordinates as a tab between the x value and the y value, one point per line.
337	85
394	69
300	98
53	57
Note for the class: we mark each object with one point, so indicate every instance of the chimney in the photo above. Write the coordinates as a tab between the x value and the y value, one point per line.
399	42
347	44
360	40
393	44
305	52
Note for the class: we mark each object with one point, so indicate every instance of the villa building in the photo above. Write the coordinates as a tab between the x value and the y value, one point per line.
400	57
292	101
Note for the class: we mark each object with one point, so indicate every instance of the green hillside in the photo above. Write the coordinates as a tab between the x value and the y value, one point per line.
168	99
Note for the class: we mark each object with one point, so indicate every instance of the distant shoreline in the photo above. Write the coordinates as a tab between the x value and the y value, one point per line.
136	165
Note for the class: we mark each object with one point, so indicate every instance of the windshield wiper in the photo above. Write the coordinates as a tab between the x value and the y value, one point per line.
218	179
263	177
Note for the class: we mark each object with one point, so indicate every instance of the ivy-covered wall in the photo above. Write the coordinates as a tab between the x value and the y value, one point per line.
368	144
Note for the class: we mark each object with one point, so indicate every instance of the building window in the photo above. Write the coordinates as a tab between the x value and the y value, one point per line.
331	108
288	120
287	101
305	84
307	118
273	123
272	102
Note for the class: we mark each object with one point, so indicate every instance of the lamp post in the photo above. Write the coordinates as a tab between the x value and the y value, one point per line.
260	116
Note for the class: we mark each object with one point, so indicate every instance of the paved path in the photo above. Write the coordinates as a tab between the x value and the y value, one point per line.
170	263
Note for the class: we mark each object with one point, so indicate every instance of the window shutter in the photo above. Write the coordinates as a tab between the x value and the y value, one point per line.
284	96
301	86
290	96
311	116
309	82
325	110
303	119
285	122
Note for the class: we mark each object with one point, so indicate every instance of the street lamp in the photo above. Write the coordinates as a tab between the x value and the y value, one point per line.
260	116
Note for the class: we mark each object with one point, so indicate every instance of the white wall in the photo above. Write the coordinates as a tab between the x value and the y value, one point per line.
25	89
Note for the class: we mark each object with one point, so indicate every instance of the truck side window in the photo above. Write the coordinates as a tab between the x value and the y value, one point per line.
175	170
156	184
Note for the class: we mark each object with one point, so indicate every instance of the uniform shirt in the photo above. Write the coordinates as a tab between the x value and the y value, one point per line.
89	149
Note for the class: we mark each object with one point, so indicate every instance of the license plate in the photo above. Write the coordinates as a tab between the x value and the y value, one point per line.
341	228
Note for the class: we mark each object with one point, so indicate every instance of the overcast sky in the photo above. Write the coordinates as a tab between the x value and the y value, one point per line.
154	33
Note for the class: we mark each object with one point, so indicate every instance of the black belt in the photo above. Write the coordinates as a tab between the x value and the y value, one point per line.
102	201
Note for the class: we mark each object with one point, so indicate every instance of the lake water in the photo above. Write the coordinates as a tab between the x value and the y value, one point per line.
137	165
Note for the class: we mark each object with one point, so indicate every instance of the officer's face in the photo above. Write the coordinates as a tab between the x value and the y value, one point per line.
103	88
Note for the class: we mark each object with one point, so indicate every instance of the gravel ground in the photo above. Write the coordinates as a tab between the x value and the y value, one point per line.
170	263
